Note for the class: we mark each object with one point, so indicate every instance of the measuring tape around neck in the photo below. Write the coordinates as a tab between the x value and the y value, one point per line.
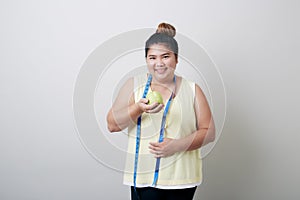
161	134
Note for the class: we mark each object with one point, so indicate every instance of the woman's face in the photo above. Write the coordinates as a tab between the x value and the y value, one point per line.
161	62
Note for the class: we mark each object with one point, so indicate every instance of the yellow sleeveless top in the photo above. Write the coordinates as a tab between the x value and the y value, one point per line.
183	168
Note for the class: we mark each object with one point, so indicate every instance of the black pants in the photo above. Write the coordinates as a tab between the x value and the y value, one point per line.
149	193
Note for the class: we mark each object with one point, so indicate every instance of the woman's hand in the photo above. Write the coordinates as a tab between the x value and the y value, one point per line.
164	149
145	107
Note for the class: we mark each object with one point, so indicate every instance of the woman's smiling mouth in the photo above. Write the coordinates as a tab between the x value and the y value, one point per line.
160	70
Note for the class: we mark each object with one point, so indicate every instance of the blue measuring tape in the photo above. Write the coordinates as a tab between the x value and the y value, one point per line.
161	138
138	133
161	135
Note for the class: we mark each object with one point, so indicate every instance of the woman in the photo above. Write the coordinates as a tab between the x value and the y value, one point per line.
163	160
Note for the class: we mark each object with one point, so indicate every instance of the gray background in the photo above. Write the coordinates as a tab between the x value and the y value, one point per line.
255	44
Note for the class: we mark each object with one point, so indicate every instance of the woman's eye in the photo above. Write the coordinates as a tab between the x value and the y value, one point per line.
151	58
166	57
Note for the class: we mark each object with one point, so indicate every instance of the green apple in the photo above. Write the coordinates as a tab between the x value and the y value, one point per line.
154	96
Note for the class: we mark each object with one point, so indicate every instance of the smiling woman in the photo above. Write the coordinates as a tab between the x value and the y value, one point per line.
163	158
161	63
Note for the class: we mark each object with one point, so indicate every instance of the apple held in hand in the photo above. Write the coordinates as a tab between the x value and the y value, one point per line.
153	97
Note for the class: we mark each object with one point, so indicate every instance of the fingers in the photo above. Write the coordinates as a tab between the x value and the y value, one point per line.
157	108
153	108
154	144
157	154
144	100
162	149
156	149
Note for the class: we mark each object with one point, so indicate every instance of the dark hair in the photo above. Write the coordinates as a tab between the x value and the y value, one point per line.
164	35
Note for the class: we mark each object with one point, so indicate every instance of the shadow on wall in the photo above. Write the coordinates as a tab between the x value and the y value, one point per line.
229	171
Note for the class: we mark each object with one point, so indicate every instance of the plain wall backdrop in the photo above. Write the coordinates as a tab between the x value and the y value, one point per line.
255	45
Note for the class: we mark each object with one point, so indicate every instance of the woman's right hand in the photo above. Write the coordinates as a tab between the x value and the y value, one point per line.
152	108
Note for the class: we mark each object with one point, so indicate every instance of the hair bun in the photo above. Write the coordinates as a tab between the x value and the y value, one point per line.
167	29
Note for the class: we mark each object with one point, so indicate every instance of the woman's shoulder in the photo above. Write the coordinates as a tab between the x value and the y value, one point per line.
139	79
188	83
135	79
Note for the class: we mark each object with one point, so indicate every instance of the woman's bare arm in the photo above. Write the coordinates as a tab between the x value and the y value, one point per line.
204	134
125	110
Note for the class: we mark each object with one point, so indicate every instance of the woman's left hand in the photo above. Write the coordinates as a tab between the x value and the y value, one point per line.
164	149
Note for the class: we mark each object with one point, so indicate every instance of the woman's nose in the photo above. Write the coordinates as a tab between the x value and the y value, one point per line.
159	63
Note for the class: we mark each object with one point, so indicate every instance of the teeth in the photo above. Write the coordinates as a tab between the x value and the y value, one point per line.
160	69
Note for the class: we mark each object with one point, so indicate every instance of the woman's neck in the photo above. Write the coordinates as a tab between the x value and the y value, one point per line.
168	83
